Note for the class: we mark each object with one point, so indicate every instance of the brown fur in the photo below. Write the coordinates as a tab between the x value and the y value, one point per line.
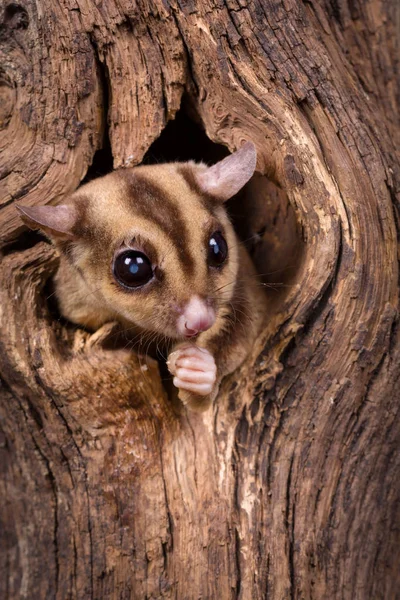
157	210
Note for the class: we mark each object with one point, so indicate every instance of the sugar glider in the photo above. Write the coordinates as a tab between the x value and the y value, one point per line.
153	248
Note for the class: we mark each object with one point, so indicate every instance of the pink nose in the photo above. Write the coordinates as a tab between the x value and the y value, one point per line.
202	324
196	317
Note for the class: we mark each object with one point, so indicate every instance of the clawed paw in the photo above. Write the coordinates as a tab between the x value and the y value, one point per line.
194	369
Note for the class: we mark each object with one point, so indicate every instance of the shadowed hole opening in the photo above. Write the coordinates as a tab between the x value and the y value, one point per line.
27	239
102	162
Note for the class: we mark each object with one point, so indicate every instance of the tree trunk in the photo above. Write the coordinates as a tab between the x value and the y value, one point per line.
288	487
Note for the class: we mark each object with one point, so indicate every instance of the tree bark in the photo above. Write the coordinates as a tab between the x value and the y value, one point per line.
289	486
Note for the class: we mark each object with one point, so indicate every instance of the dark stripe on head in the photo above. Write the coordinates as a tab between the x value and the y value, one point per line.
81	228
86	229
187	173
151	202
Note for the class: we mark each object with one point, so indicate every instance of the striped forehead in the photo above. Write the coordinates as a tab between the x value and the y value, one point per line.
154	199
167	188
161	196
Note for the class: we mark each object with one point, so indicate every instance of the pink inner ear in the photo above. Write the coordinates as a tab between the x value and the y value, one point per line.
56	220
228	176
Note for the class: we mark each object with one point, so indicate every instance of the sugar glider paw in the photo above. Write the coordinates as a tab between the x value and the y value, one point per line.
194	369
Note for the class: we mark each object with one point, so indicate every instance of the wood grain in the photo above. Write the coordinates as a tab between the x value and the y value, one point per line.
289	487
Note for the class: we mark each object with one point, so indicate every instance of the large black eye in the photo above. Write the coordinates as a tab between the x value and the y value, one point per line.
132	269
217	249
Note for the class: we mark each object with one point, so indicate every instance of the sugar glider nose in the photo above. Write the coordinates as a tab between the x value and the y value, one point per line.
196	317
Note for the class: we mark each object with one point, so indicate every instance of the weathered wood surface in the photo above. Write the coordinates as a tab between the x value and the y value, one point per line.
289	488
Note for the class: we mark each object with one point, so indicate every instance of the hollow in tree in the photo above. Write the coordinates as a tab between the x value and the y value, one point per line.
288	487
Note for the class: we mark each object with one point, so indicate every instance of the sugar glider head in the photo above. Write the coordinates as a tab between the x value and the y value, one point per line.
154	243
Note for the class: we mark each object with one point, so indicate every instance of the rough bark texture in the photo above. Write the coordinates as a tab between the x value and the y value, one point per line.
289	487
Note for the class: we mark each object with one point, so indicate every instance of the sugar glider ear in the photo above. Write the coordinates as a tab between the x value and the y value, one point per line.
228	176
55	221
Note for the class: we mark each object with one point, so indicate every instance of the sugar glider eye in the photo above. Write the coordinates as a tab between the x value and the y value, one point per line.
217	249
132	269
